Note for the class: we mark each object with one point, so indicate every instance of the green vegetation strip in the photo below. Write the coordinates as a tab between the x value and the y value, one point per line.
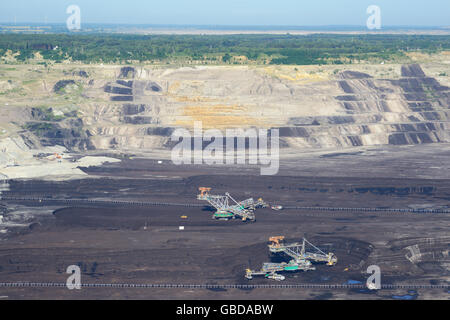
215	49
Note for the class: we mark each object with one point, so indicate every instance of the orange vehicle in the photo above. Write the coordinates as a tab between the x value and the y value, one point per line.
276	240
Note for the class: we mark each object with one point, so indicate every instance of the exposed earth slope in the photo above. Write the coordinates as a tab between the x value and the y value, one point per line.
134	109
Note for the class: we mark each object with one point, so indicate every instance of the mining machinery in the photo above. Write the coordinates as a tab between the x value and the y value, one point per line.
228	208
302	259
269	269
260	203
298	251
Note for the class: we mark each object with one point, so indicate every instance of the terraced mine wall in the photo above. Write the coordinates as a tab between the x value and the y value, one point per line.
142	107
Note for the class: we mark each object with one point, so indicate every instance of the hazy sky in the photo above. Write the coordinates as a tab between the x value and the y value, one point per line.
231	12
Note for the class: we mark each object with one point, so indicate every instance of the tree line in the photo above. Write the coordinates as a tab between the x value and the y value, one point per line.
273	49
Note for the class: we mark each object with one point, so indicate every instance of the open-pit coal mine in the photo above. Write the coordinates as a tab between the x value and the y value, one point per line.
86	180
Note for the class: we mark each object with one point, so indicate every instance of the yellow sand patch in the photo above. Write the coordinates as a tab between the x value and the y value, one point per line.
417	56
38	56
193	99
192	86
213	110
174	87
10	56
296	74
224	122
218	116
240	58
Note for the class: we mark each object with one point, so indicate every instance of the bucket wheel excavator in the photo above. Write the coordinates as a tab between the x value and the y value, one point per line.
298	251
228	208
302	259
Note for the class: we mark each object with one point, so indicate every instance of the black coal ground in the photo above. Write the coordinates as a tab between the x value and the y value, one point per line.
133	244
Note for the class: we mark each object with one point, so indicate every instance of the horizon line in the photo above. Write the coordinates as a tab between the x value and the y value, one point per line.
227	25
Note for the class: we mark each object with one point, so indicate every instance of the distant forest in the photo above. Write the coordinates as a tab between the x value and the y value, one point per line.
220	49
